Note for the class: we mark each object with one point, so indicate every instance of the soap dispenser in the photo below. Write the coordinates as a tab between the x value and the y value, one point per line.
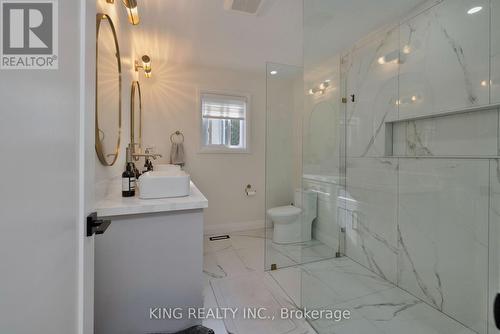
129	176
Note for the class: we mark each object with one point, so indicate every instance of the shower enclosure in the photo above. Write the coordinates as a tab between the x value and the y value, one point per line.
291	134
400	140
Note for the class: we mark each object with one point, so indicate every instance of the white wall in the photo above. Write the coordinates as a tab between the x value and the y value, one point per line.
170	102
284	134
39	127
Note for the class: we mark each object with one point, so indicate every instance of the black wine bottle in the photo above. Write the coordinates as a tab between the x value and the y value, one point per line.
128	177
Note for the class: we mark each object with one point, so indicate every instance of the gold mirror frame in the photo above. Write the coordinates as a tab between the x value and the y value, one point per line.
135	90
98	147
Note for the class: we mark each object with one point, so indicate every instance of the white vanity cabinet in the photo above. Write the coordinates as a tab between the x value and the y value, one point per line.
150	257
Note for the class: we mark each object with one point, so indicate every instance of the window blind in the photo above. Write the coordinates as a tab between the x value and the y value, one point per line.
223	106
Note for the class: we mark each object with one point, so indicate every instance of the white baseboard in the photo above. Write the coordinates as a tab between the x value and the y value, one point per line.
233	227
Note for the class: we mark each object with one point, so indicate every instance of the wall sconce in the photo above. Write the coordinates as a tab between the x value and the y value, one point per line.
321	89
132	12
146	66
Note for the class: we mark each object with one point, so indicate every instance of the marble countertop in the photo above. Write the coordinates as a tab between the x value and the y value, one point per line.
116	205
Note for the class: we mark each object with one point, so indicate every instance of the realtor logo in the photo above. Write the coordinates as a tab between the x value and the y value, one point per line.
29	34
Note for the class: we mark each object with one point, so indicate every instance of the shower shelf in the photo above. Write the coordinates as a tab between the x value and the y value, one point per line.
471	133
445	113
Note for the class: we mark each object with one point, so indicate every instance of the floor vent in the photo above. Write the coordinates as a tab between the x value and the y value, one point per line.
219	237
244	6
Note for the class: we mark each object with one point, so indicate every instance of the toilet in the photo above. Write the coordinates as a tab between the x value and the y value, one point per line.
293	223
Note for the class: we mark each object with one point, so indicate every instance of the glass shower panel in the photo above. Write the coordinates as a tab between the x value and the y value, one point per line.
495	52
494	251
283	164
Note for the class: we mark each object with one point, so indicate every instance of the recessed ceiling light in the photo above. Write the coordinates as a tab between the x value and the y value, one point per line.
474	10
273	72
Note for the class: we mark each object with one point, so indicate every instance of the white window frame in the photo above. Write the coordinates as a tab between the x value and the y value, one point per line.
246	128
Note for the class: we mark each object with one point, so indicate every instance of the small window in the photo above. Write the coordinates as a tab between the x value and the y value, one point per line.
224	123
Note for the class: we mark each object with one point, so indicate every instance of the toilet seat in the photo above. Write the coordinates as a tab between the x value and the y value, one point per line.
293	223
288	210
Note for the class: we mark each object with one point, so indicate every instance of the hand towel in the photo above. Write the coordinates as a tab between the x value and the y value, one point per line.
177	154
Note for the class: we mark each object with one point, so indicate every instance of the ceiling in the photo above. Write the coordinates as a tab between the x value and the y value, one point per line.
201	32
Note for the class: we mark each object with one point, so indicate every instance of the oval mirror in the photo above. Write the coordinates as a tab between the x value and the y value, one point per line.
136	114
108	114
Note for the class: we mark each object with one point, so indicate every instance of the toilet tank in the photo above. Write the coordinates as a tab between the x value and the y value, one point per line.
307	200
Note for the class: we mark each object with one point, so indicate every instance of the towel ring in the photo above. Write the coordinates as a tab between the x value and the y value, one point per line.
177	133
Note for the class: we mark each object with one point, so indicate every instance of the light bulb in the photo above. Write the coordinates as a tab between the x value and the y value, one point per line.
474	10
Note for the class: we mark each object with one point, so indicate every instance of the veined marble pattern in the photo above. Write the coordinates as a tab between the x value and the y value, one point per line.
298	253
374	86
376	305
495	52
445	59
256	290
443	236
372	208
392	311
466	134
235	277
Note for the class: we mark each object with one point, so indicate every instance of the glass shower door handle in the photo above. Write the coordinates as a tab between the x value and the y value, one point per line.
496	310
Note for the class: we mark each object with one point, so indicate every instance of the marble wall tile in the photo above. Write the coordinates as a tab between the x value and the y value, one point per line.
374	87
494	287
372	203
443	235
444	59
467	134
495	51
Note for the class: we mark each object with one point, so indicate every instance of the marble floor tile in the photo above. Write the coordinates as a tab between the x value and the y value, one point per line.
393	311
209	302
340	280
224	263
235	277
289	279
254	291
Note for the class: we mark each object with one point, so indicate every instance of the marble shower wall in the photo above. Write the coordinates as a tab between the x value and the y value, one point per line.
443	235
444	59
418	219
371	238
374	89
495	51
494	286
467	134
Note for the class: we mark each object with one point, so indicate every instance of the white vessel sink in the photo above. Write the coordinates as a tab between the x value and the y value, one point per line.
164	184
166	168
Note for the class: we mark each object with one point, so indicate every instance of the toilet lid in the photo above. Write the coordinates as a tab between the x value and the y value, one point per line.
284	210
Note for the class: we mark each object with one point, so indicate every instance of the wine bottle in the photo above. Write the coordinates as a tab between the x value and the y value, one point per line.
128	177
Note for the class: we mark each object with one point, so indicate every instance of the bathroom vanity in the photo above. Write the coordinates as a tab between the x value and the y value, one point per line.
150	258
